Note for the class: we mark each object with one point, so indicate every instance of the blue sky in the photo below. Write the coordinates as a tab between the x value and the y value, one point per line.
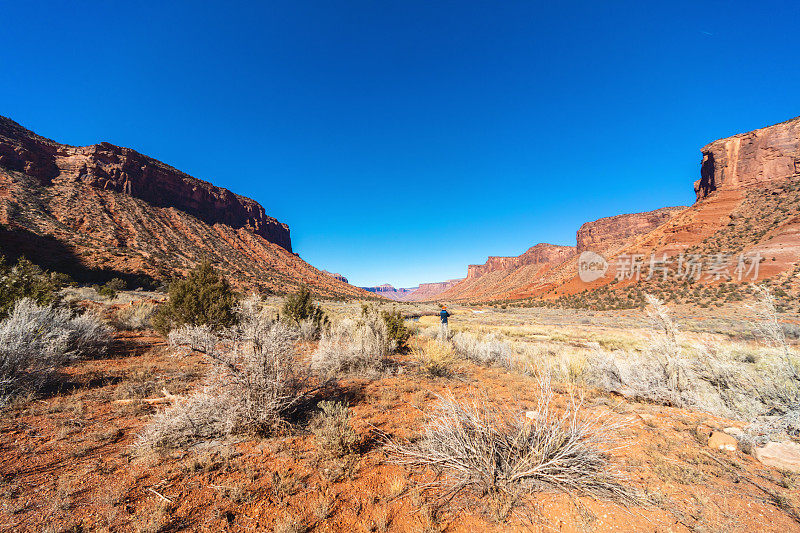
402	141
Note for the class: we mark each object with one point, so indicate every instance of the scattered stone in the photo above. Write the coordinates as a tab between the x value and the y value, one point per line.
735	432
648	419
703	432
722	441
783	455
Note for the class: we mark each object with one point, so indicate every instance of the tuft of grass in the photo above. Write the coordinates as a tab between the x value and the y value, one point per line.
333	430
138	315
434	358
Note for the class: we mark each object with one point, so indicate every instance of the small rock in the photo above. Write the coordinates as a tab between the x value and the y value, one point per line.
722	441
735	432
783	455
648	419
703	432
532	415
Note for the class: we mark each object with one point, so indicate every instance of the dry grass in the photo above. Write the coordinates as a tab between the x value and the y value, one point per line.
489	351
358	346
137	315
434	358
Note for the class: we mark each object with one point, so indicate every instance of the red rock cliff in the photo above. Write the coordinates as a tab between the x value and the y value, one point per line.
540	253
109	167
748	159
606	232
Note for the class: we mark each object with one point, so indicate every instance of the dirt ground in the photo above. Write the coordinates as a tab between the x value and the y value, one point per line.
67	462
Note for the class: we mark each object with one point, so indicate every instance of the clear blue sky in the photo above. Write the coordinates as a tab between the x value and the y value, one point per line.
403	140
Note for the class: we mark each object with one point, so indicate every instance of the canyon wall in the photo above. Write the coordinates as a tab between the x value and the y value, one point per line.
607	232
540	253
748	159
109	167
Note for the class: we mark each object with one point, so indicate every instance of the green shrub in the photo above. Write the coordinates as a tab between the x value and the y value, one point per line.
26	280
111	288
396	328
300	307
203	298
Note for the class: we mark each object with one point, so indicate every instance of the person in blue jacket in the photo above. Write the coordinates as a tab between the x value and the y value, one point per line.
443	314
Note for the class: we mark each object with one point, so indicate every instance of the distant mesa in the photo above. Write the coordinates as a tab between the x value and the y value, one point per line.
604	233
420	293
539	254
335	276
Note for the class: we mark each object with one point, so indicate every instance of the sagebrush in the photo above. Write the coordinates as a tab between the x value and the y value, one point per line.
354	346
254	385
36	341
333	429
474	446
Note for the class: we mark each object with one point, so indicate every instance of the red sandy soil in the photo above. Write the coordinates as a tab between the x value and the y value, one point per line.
67	463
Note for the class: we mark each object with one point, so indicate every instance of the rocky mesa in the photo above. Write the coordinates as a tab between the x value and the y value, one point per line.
105	211
109	167
748	201
538	254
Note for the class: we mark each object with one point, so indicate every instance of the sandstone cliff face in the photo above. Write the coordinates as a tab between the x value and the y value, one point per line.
99	212
749	159
540	253
604	233
109	167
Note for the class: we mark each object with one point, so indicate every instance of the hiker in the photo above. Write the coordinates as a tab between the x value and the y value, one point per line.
443	314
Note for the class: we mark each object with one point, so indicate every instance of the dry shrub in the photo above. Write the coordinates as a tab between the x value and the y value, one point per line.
253	387
202	416
497	451
725	379
308	330
489	351
37	340
332	428
360	346
138	315
434	358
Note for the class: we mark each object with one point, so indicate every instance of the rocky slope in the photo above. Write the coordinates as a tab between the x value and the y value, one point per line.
336	275
102	210
748	202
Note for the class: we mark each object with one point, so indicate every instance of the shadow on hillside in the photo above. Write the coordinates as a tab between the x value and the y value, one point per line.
49	253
